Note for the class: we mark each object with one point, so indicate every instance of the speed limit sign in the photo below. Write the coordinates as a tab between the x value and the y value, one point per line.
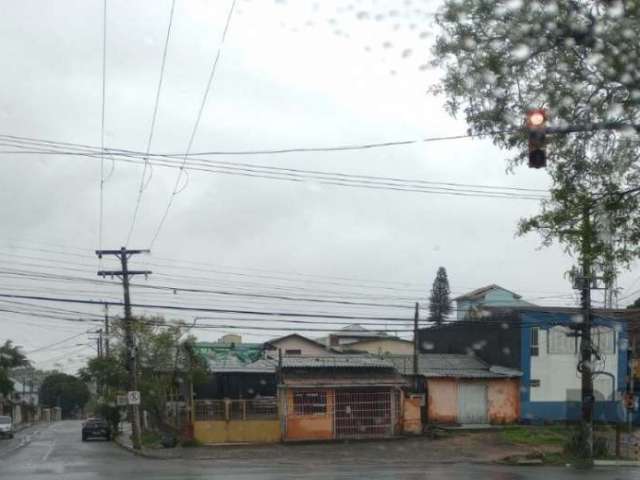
133	397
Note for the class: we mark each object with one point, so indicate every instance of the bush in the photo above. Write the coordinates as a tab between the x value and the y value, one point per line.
110	414
575	446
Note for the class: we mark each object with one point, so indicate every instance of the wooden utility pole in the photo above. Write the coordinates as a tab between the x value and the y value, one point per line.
124	274
106	331
586	347
416	350
99	343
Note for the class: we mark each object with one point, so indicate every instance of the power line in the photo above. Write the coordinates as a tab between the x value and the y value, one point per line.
200	309
48	346
289	276
195	127
354	181
153	124
291	174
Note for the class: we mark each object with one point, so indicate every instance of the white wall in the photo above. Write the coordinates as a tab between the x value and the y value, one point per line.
559	378
296	343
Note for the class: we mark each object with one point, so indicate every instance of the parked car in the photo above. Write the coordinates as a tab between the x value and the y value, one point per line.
6	427
95	428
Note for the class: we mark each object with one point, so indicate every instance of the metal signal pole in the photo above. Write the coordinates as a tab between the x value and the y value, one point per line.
124	274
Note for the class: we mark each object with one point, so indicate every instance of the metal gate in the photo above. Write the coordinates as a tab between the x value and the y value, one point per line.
472	403
364	414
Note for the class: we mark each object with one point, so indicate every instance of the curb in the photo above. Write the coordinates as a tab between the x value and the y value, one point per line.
616	463
142	453
132	450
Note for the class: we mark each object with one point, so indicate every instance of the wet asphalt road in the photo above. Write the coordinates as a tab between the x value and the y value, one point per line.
56	452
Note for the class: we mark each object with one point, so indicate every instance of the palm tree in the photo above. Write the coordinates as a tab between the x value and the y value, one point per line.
10	357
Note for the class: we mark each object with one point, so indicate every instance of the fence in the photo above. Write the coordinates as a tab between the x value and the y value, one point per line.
265	408
341	414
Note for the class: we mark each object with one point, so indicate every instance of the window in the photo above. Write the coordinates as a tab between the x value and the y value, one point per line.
560	341
534	382
604	339
310	403
534	348
294	351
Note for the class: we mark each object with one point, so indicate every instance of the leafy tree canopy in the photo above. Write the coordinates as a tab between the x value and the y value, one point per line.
579	60
10	357
165	359
65	391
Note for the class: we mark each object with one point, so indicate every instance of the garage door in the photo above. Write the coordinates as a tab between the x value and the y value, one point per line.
472	403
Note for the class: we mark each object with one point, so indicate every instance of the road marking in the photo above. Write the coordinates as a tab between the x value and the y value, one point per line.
51	447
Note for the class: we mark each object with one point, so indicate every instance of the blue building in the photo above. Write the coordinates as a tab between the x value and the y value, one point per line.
538	341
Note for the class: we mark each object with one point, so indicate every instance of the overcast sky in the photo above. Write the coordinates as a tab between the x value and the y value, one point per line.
291	74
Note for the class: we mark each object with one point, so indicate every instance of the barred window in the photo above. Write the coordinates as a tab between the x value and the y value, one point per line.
310	403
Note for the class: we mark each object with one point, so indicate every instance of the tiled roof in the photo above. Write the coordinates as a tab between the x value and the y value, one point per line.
450	365
335	361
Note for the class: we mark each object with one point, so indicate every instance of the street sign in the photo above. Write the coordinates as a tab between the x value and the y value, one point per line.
122	400
133	397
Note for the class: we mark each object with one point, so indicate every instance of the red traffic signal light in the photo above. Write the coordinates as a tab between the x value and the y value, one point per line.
536	126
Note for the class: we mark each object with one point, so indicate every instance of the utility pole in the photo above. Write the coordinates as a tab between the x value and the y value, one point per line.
124	274
99	343
416	317
634	346
106	330
586	348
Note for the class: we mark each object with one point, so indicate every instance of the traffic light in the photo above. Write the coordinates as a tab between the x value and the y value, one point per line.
536	127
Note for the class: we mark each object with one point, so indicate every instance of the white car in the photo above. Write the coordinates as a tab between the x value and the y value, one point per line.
6	427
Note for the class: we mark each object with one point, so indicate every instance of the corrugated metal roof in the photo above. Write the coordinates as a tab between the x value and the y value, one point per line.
434	365
346	381
235	365
335	361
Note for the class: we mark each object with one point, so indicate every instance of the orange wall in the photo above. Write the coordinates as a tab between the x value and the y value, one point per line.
411	419
504	400
309	427
442	402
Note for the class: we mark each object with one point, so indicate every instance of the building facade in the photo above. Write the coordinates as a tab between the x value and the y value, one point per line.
469	304
538	342
294	344
462	389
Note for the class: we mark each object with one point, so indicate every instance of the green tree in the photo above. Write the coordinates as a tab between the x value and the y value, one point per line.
439	302
635	304
65	391
576	59
165	360
10	357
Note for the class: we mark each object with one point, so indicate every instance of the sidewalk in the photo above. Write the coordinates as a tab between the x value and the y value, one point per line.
467	447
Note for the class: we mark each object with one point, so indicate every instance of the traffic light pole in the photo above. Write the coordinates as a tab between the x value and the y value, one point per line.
123	255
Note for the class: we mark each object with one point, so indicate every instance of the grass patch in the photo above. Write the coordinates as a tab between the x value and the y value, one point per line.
150	439
536	436
192	442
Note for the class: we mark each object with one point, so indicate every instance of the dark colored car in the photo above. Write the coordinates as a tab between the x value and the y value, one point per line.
96	428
